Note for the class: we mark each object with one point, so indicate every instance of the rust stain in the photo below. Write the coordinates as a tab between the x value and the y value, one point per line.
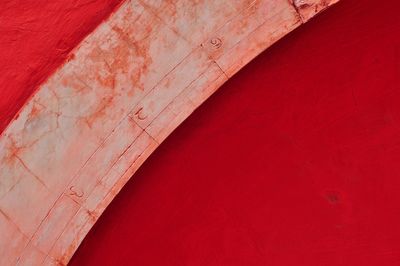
35	110
138	50
100	111
13	151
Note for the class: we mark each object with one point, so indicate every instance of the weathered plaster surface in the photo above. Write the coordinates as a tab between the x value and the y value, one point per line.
36	38
127	86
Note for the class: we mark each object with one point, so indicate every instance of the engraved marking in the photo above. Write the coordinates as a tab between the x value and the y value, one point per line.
139	114
216	43
78	193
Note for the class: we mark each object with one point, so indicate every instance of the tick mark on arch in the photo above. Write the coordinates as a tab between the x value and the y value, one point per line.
216	43
75	192
139	114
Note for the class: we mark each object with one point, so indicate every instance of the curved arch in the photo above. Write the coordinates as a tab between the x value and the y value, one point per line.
126	87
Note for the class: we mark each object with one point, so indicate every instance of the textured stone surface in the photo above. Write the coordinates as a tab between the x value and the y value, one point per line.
309	8
127	86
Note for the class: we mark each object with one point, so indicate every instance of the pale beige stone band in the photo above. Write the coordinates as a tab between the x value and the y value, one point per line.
128	85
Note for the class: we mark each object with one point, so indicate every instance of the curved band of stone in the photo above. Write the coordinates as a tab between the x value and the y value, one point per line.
126	87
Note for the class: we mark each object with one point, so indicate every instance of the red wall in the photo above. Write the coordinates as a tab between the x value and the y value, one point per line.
293	162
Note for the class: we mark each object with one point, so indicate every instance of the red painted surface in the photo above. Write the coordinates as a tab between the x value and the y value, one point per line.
295	161
35	38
